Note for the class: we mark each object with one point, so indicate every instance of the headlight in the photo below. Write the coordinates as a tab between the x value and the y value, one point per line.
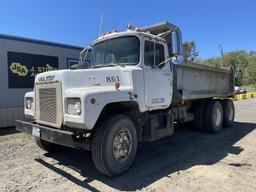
74	106
28	102
78	107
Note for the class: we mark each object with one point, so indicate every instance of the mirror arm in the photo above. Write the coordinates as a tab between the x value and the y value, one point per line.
163	62
82	55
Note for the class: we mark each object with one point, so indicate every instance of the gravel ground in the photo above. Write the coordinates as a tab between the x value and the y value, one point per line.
186	161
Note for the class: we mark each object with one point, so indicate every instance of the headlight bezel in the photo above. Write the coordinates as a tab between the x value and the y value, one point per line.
74	106
28	103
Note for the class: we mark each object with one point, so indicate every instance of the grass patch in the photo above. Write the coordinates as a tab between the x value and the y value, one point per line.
249	88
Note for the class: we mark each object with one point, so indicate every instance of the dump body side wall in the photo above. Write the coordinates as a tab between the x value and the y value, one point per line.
194	81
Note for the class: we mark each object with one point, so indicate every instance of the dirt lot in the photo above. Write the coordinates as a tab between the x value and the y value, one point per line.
187	161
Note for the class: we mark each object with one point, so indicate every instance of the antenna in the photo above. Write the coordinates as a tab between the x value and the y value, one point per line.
101	21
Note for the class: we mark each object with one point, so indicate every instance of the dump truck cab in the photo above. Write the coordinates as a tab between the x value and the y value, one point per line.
124	68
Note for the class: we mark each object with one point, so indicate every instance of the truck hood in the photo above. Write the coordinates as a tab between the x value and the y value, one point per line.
85	78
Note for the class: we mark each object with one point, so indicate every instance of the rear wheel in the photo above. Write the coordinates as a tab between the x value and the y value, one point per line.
114	145
198	121
213	116
228	112
47	146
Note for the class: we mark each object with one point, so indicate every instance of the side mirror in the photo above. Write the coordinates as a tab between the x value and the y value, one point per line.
175	43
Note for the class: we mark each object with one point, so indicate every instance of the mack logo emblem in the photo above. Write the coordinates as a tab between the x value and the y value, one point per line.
46	78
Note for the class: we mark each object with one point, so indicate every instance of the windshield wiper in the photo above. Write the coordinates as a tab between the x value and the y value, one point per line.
108	65
97	66
114	64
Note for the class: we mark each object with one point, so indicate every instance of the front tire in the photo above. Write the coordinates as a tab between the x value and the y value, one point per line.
114	145
213	116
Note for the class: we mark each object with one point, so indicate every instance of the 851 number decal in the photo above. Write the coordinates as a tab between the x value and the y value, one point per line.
110	79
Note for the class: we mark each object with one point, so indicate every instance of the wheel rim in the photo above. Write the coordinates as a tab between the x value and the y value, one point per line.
122	145
217	117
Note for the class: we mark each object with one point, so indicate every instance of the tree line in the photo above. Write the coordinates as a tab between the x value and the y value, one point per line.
243	62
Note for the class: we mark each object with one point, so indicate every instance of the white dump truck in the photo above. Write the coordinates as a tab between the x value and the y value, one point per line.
136	89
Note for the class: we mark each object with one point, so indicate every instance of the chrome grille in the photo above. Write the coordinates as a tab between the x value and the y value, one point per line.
48	105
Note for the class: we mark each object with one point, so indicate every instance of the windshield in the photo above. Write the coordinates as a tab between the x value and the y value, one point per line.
117	51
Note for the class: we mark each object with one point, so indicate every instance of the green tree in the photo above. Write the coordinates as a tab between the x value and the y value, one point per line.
239	59
243	62
190	51
251	72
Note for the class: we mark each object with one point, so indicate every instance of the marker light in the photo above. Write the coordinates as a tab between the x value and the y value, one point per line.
93	101
117	84
138	30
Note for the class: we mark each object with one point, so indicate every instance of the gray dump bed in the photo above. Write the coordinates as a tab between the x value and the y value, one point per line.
194	81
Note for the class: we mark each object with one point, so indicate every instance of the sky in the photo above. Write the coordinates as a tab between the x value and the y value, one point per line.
77	22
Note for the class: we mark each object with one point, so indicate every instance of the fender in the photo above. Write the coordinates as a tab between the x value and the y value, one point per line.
93	101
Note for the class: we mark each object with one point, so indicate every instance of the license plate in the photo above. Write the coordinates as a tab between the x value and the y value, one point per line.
36	132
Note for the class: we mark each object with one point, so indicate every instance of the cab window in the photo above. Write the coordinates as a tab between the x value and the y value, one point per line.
149	53
159	53
153	53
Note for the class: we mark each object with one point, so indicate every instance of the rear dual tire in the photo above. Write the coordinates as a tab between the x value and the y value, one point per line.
228	112
211	115
198	121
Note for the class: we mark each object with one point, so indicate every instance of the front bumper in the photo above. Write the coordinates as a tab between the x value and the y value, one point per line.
52	135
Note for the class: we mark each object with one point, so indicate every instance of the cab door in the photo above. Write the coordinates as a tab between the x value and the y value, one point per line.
158	80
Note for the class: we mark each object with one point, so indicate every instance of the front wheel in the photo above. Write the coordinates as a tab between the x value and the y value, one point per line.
114	145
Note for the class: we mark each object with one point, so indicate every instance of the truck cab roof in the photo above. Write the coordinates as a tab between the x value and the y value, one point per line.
152	31
159	28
